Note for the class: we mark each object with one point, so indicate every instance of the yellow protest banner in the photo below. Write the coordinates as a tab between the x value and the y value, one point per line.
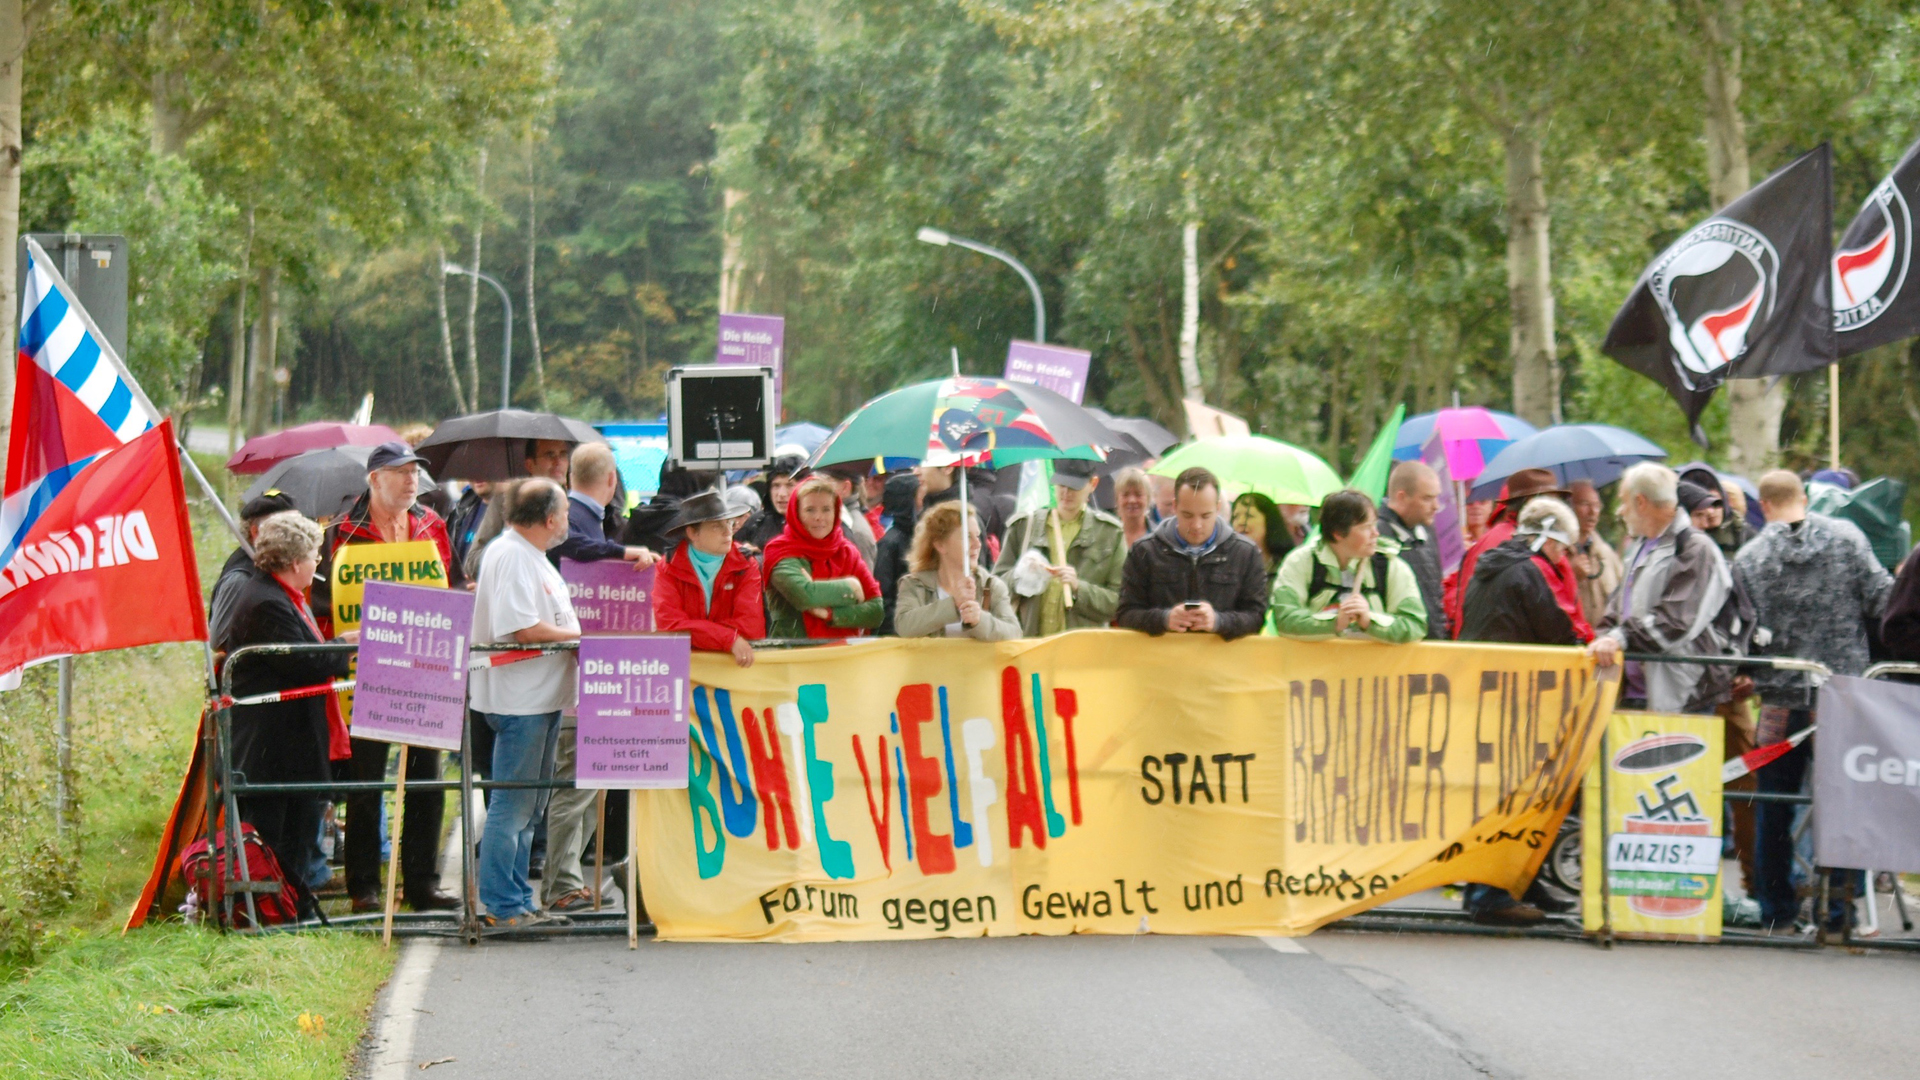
410	562
1659	826
1103	781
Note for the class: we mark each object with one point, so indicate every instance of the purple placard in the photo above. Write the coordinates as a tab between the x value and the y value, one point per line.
1050	367
410	685
1449	539
610	596
755	339
633	712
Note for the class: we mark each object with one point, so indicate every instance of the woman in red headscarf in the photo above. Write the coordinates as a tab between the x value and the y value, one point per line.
819	586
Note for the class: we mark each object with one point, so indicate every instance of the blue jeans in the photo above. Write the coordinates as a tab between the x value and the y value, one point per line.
523	749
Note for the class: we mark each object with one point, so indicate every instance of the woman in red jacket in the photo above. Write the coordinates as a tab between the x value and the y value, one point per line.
707	587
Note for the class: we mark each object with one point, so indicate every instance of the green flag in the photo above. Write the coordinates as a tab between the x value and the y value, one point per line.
1036	487
1371	475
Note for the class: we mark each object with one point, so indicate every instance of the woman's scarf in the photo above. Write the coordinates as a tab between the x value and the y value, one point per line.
831	556
1566	593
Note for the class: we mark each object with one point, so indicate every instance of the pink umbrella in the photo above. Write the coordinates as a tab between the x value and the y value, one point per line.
1471	436
265	451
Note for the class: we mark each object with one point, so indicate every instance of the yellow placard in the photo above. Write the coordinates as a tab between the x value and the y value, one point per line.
1662	827
410	562
1103	781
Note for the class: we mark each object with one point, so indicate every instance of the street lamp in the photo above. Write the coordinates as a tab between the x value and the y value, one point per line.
506	338
941	239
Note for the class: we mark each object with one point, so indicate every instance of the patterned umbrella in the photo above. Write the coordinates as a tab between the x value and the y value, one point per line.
965	419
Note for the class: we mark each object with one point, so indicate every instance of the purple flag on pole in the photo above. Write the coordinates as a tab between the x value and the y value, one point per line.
411	682
610	596
633	712
1050	367
755	339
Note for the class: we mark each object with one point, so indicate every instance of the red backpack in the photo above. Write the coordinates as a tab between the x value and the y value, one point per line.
206	876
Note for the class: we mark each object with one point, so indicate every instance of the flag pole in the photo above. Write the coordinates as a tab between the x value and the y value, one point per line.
1833	413
966	546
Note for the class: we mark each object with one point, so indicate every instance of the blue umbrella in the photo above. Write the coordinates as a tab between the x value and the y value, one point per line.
1597	453
804	433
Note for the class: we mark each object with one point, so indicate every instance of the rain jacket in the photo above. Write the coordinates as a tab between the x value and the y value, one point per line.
1098	554
1304	598
1669	603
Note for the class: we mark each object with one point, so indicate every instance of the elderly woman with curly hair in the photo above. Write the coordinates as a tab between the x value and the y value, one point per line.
282	742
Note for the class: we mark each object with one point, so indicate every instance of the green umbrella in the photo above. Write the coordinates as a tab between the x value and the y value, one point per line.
1281	471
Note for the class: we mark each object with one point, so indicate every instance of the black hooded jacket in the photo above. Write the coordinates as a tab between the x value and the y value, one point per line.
893	553
1509	600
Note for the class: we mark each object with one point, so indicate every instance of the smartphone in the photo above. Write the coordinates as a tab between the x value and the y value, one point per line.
1191	605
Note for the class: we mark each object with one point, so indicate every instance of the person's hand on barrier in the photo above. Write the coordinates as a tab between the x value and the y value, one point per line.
1354	611
351	637
1065	575
1605	651
742	651
642	558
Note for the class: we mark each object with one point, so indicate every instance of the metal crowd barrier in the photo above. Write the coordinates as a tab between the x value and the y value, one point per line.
225	787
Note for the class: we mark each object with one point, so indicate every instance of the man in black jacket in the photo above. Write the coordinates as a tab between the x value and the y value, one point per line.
1413	497
595	483
1194	574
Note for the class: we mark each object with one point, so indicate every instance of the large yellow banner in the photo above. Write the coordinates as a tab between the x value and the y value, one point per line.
1105	782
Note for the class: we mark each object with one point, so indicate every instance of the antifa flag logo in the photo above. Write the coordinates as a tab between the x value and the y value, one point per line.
1713	285
1745	294
1872	303
1871	264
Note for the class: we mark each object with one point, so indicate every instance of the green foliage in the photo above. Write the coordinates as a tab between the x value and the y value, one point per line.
107	179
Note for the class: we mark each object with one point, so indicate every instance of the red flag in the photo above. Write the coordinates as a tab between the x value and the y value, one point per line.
108	564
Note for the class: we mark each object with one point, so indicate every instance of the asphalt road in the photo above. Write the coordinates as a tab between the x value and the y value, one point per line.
1335	1005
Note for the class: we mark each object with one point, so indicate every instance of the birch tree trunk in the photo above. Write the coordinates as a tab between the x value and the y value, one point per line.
446	331
533	314
1753	410
237	347
1536	378
732	263
266	332
13	53
1190	312
473	282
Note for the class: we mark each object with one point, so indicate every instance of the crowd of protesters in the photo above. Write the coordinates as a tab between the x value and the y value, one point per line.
790	554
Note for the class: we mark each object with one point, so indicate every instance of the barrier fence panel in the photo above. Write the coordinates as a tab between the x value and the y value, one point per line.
696	831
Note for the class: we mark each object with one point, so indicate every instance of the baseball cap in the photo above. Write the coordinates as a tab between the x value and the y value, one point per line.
389	454
270	501
1073	472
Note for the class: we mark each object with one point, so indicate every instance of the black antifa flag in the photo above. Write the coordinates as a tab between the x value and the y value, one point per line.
1875	301
1742	295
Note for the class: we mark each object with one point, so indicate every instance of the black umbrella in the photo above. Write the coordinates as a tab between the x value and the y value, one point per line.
1152	439
492	445
322	483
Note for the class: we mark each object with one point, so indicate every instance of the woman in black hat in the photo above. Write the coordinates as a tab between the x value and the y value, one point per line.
708	587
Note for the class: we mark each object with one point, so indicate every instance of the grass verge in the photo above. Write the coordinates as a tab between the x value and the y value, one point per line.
77	999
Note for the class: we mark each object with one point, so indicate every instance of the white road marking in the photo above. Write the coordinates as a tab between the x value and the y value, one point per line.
1286	945
392	1053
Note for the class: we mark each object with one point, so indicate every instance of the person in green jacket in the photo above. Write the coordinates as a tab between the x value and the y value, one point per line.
1349	583
818	586
1095	553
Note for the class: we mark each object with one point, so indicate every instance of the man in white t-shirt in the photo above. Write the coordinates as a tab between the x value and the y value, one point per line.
521	599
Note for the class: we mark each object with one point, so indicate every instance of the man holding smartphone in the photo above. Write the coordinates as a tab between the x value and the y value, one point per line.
1193	574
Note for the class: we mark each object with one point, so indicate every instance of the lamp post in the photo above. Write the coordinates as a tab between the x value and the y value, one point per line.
506	337
941	239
